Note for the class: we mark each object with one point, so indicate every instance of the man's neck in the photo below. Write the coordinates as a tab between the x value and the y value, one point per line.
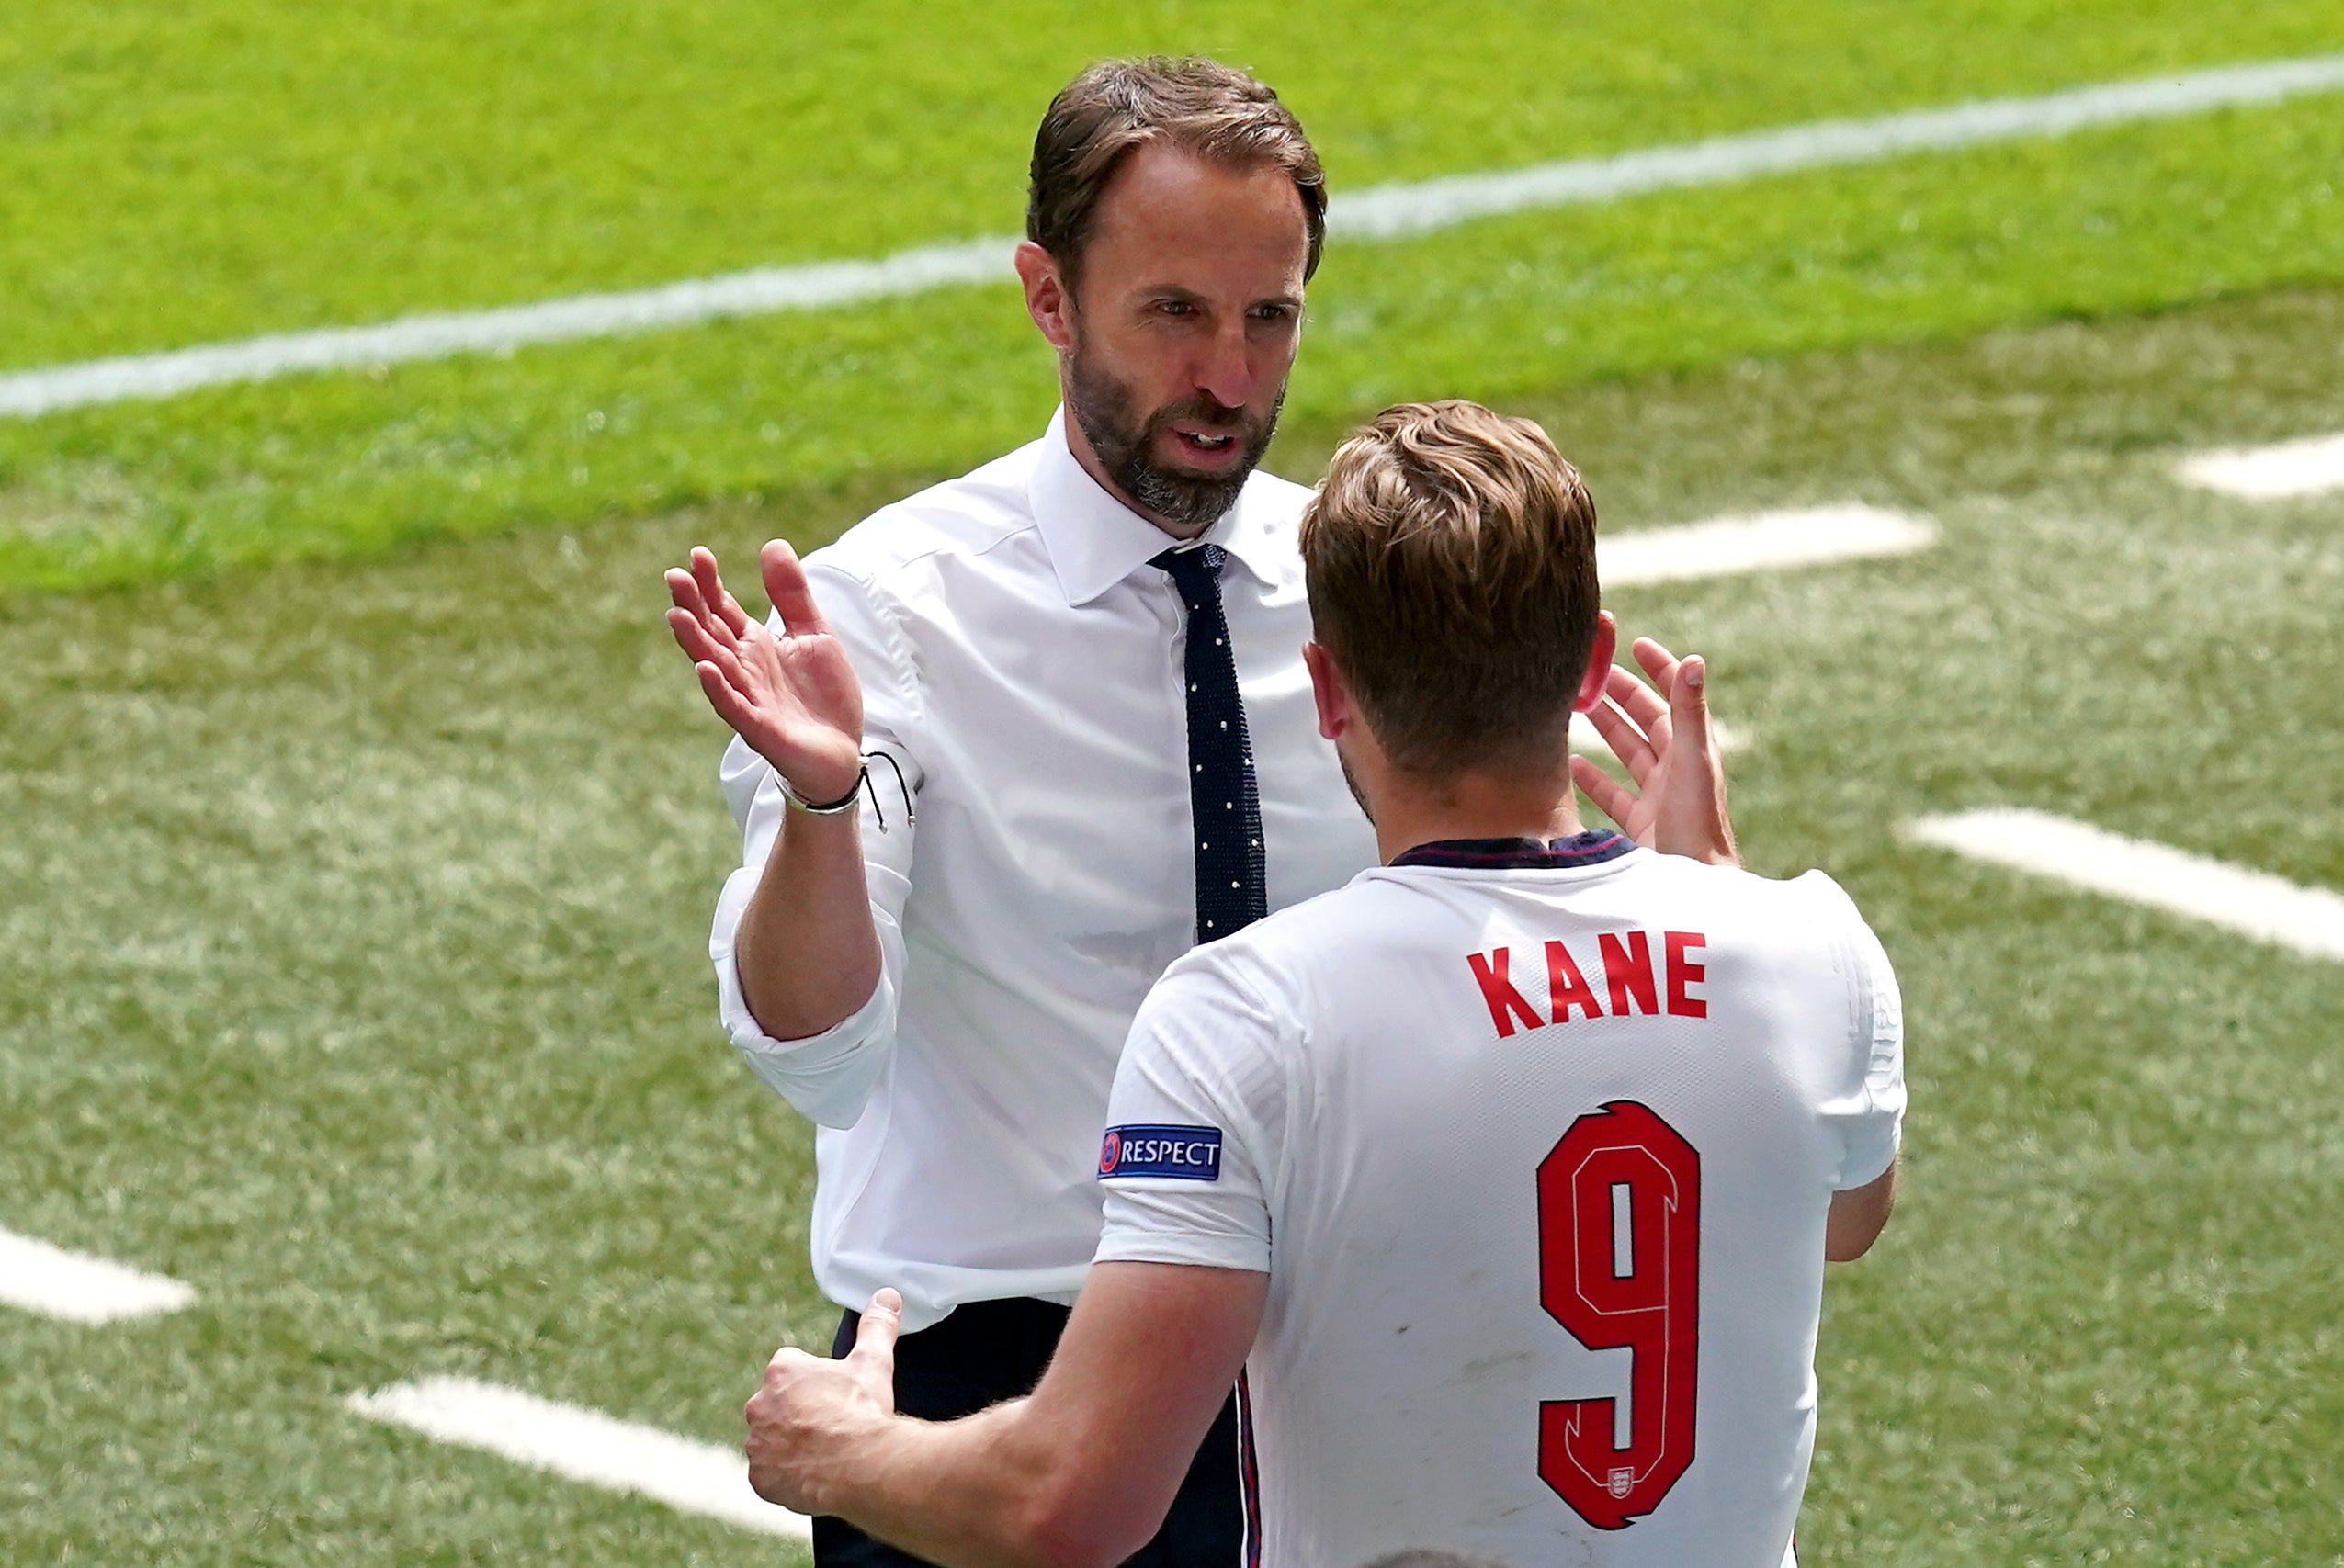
1473	807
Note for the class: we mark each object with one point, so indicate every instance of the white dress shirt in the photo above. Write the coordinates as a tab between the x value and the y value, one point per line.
1021	661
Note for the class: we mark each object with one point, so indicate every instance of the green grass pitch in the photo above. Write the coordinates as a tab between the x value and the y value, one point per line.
359	827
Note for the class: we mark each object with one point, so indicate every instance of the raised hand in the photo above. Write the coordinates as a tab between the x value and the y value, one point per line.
793	697
1678	802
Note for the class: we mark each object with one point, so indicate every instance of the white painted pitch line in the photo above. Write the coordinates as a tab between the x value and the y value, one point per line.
442	334
2310	467
584	1444
1380	212
78	1288
2254	903
1393	211
1758	541
1753	541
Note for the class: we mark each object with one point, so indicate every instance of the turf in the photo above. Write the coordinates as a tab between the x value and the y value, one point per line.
356	977
354	973
274	169
232	166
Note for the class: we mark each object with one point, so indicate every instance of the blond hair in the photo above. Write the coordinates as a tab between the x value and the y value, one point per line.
1450	555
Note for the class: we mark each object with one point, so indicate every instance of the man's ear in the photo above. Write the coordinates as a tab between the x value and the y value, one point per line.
1328	691
1598	662
1047	299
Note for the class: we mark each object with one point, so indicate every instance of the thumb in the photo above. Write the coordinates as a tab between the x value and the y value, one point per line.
788	590
1697	775
874	1337
1688	705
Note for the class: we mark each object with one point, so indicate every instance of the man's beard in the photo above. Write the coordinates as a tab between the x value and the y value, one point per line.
1124	443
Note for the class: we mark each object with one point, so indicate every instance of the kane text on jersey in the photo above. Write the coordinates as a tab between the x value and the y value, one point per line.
1621	963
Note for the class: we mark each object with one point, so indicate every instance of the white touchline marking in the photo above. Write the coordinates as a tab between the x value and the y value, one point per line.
79	1288
2254	903
2271	473
1758	541
441	334
1380	212
584	1445
1391	211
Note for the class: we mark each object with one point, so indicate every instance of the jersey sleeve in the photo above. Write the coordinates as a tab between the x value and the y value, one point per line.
829	1076
1865	1108
1196	1122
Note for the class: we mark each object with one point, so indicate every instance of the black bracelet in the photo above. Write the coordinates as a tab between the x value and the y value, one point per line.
862	782
830	809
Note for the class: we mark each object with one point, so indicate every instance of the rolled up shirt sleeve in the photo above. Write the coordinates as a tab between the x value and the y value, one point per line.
829	1077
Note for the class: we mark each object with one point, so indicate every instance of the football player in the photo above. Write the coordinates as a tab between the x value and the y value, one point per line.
1506	1173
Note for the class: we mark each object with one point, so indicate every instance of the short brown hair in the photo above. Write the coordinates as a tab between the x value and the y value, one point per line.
1450	555
1203	107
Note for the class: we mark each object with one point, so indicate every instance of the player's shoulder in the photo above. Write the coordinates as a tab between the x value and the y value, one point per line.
1813	889
966	517
1803	931
1273	964
1786	909
1264	959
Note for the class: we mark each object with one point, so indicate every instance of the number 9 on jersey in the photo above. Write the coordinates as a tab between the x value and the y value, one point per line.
1619	1265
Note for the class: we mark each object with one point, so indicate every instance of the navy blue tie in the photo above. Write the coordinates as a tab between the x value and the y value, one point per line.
1224	806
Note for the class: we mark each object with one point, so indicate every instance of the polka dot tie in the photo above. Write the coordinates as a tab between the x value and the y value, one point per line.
1224	806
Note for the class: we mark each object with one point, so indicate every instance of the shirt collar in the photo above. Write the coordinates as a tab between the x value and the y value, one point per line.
1096	541
1591	847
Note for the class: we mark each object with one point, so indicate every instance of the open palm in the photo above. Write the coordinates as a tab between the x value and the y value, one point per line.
1678	802
791	695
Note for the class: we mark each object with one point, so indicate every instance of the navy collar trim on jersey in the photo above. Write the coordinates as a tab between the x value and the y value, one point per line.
1591	847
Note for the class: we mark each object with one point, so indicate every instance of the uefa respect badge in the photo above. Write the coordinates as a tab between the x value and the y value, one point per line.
1177	1154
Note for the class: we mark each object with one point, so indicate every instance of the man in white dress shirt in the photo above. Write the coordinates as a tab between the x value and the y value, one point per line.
1082	661
949	1015
1508	1171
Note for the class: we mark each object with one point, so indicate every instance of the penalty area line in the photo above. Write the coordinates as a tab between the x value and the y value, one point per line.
2311	466
78	1288
1758	541
2269	909
579	1444
1385	213
1745	542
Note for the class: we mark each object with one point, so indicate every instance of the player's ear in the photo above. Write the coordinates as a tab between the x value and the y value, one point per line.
1047	299
1328	691
1598	662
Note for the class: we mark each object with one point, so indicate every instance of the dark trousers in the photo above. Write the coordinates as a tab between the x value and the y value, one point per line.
989	1351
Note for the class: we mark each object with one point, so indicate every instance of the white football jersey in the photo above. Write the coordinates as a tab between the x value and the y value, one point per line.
1537	1144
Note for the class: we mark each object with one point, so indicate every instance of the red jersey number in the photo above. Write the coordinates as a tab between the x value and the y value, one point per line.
1619	1265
